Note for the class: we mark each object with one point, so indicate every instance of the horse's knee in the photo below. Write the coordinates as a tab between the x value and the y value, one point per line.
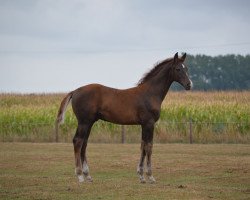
77	142
149	147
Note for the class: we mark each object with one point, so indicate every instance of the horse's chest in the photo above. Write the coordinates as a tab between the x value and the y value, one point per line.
149	113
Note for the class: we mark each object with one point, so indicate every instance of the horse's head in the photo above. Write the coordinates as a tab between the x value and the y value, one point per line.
180	72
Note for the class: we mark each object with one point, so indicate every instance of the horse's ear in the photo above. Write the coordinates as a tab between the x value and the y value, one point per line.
176	58
183	57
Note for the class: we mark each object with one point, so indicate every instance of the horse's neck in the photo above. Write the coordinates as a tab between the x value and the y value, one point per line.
159	85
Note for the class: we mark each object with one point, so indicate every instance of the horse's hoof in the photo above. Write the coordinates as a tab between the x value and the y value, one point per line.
89	179
151	179
142	179
80	178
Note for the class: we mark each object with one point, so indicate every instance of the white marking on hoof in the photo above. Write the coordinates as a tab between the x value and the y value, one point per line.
80	178
142	179
151	179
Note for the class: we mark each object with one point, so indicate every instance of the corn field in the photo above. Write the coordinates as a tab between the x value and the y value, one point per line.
216	117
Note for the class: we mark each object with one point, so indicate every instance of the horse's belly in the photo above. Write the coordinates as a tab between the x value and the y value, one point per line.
119	116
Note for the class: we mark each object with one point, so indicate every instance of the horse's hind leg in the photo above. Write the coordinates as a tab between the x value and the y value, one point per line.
80	142
85	167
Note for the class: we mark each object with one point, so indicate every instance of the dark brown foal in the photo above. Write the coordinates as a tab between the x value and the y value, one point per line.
138	105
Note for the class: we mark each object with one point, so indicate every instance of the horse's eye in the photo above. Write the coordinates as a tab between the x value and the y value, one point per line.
178	69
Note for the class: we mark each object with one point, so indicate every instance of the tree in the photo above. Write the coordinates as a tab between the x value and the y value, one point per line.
229	72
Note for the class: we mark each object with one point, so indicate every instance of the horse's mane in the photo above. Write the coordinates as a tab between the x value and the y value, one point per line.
151	73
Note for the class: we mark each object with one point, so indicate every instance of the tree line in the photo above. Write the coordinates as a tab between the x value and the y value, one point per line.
229	72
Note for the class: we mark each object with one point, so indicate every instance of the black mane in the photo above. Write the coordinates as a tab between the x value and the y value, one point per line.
147	76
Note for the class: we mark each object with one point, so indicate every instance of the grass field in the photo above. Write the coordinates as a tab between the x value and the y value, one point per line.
217	117
183	171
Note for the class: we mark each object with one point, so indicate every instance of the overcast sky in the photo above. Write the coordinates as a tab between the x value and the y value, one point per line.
59	45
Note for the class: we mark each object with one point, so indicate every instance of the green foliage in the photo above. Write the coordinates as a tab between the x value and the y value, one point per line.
230	72
216	117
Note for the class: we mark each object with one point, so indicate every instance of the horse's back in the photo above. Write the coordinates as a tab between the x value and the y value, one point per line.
96	101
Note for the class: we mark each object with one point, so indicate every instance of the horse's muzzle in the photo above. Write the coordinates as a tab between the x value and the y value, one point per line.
189	85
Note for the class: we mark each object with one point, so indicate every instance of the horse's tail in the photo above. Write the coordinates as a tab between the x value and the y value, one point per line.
61	112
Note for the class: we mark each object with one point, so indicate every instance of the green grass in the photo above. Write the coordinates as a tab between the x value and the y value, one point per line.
182	171
217	117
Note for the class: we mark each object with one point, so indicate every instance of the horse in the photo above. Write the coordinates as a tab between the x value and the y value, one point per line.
139	105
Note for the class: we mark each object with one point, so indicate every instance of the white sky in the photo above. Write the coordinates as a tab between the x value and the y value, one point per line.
59	45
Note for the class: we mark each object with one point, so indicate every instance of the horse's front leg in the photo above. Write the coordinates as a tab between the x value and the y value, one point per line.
140	167
146	149
149	147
